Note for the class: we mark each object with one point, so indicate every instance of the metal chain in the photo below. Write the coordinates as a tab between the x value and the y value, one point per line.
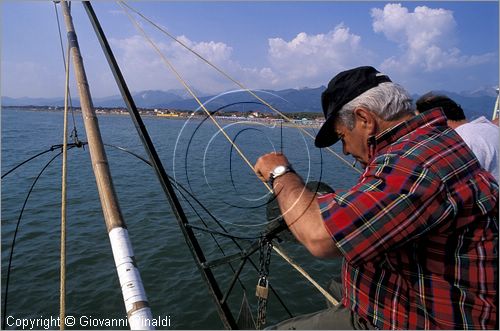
265	250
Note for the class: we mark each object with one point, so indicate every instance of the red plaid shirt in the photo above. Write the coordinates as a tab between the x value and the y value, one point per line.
419	232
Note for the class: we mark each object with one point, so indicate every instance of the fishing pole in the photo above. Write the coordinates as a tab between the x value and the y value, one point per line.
191	240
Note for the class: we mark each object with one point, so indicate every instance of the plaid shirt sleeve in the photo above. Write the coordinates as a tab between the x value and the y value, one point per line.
386	209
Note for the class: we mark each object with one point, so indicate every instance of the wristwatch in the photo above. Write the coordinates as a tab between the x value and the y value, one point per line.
279	171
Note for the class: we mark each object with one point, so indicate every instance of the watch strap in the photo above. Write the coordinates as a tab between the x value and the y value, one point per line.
288	168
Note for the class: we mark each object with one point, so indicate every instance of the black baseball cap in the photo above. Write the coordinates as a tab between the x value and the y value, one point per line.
342	89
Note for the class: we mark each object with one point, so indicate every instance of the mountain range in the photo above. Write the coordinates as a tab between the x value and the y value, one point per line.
474	103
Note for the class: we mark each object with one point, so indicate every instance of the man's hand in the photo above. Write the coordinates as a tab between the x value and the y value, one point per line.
266	164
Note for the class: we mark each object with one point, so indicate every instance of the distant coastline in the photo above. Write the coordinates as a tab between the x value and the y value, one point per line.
302	119
295	103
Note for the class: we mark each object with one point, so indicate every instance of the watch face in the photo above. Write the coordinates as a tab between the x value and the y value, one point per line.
279	170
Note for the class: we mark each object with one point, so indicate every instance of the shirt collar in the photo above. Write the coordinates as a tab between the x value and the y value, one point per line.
430	118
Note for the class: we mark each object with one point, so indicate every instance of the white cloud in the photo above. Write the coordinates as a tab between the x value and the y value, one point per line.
427	38
306	60
145	68
310	59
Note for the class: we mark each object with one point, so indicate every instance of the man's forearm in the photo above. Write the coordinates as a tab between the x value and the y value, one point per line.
302	214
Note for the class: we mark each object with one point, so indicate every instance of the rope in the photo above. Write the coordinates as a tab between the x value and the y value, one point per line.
223	234
288	259
241	85
62	288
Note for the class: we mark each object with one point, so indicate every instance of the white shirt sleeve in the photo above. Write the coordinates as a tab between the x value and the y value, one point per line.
483	138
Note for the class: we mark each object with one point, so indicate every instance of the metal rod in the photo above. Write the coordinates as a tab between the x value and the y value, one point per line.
235	278
223	260
224	312
134	296
245	253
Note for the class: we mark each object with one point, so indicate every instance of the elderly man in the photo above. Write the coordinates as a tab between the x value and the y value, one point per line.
418	233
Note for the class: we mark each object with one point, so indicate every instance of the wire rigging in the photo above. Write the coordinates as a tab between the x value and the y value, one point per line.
225	232
51	149
179	187
199	126
77	143
190	91
239	84
5	300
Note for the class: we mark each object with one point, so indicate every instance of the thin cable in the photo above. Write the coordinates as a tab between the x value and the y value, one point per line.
212	235
199	126
4	321
178	186
223	234
51	149
241	85
190	91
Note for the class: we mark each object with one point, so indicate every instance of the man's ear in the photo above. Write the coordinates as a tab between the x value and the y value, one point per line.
366	119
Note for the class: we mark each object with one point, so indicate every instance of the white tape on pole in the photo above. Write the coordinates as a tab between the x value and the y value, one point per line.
130	280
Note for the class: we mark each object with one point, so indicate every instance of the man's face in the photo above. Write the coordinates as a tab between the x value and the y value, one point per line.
355	141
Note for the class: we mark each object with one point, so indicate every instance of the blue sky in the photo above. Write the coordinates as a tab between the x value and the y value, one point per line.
421	45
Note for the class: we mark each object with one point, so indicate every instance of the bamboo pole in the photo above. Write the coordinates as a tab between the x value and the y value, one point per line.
136	303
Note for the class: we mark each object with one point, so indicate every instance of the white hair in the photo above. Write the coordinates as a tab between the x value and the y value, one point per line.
389	101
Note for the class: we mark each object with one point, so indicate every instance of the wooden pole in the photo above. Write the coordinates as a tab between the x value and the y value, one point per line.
136	303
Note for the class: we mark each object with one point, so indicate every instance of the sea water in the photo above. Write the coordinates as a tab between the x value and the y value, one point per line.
197	156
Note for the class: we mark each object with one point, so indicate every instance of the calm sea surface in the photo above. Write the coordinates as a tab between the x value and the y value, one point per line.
200	159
